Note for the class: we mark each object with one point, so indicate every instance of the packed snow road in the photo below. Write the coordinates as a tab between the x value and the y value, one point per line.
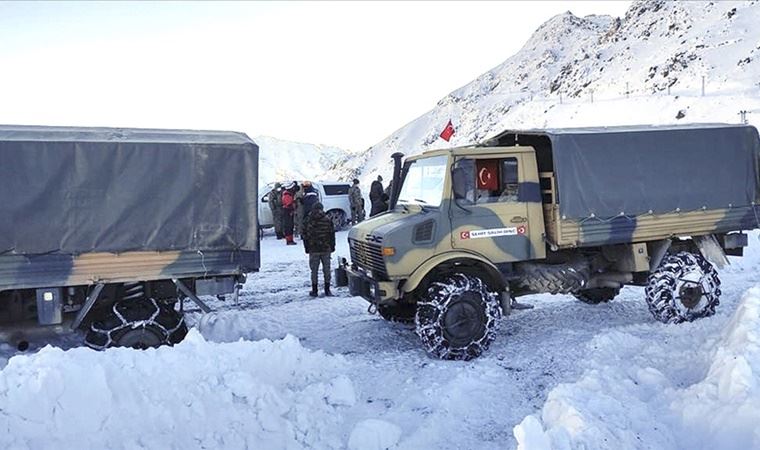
282	370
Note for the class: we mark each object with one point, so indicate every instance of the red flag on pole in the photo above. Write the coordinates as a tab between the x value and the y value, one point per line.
447	132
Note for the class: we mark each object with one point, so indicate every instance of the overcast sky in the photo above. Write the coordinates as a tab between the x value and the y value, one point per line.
338	73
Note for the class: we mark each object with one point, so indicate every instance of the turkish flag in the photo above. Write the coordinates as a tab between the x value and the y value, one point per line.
488	174
447	132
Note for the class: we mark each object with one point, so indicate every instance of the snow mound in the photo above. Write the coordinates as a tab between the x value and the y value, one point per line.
197	394
374	434
705	392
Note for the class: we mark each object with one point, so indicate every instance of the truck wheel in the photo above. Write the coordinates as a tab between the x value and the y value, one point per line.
683	288
456	317
338	218
403	313
137	323
596	295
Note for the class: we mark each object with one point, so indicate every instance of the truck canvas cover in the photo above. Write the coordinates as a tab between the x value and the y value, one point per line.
607	172
80	190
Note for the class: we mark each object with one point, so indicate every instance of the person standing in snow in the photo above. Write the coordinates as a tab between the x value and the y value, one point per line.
299	216
319	243
288	209
274	199
376	197
357	202
310	198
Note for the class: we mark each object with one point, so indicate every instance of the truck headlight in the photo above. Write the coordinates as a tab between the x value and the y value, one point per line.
389	251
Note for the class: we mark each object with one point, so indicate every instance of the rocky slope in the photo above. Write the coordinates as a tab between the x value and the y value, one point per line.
285	160
646	67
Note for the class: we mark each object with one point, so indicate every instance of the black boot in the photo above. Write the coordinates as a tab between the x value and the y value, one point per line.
327	291
313	292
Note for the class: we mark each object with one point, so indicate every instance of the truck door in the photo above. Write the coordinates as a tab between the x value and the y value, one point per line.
265	212
489	214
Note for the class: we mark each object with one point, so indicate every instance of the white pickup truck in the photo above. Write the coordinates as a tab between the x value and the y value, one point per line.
332	194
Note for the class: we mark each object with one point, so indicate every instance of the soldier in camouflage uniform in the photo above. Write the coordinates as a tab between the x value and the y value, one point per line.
275	204
319	243
357	202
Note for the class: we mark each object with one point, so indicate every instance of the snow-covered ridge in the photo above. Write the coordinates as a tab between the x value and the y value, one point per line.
285	160
639	393
646	67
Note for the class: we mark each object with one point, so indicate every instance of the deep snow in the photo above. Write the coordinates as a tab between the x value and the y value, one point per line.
282	370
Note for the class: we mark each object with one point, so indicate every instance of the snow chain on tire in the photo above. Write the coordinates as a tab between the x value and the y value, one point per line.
437	302
143	313
667	282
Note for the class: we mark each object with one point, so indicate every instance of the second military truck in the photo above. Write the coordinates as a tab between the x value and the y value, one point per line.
107	229
562	211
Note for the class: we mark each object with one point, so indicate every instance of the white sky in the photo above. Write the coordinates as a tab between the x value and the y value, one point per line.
339	73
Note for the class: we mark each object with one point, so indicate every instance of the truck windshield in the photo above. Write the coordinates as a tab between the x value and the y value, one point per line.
424	181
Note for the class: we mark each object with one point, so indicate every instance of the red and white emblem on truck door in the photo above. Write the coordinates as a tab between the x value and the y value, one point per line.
492	232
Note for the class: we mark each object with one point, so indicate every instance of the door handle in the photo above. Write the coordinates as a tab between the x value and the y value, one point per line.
519	219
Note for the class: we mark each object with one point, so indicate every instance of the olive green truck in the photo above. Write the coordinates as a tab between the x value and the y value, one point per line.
563	211
107	230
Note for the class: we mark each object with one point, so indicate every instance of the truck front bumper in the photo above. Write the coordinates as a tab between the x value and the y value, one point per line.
362	285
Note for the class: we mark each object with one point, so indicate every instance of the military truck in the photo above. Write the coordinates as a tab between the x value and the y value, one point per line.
562	211
108	230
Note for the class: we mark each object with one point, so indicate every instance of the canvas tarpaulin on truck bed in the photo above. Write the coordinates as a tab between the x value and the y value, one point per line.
79	190
607	172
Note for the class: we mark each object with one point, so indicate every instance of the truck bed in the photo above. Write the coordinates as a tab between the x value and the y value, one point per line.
650	227
594	231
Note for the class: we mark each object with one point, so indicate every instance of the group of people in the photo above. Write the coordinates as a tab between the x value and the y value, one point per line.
290	205
297	211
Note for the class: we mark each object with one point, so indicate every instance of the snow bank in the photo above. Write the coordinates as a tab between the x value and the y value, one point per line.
198	394
705	392
374	434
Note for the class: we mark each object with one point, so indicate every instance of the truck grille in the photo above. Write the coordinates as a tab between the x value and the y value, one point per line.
369	257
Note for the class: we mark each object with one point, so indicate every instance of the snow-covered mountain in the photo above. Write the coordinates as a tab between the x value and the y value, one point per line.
285	160
646	67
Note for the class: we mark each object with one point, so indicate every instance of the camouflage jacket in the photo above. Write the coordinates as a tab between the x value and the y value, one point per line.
275	199
319	235
355	196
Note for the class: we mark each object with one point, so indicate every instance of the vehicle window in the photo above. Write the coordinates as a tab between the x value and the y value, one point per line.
424	180
485	180
336	189
463	181
509	181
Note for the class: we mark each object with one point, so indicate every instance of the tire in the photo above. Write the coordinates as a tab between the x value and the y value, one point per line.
338	218
596	295
685	287
402	313
457	317
137	323
554	278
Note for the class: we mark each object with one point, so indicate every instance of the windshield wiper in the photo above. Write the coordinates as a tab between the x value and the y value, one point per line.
420	200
